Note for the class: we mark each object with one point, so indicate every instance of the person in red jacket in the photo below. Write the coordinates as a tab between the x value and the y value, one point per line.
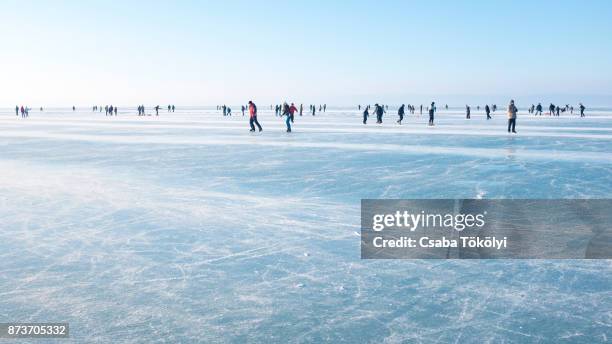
253	116
292	111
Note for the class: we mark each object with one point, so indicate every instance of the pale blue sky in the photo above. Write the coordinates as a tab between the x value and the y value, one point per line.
340	52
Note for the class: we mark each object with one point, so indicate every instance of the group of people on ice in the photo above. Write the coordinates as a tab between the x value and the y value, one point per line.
289	112
380	110
24	110
556	110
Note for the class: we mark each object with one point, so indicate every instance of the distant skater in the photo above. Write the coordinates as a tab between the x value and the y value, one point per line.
512	110
242	108
400	113
379	111
301	109
253	117
286	112
539	109
366	114
432	111
467	112
488	111
582	108
156	110
17	110
292	111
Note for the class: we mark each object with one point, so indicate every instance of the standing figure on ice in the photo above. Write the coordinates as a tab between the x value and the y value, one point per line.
400	113
512	110
432	111
253	116
286	112
378	110
292	111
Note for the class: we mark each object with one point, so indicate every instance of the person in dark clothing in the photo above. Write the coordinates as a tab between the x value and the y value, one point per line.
488	111
400	113
538	109
582	108
432	111
253	116
157	110
366	114
286	112
467	111
378	110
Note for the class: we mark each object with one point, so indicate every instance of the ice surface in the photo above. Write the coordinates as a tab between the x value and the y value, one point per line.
188	228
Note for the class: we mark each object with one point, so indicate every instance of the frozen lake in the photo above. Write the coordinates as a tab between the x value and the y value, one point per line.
189	228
